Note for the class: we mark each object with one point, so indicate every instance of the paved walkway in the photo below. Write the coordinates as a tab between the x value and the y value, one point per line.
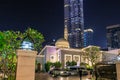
46	76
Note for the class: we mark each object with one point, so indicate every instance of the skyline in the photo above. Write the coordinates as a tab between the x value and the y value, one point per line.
48	17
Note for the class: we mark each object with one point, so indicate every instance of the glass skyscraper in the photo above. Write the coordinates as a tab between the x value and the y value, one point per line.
113	36
73	19
88	37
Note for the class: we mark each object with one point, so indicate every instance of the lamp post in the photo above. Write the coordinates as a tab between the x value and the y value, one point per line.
80	74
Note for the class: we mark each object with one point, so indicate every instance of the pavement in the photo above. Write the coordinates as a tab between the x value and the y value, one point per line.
46	76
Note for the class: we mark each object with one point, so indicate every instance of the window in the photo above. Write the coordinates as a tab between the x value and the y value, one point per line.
52	58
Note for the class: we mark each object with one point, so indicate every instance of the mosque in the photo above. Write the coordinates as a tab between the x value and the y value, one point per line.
61	52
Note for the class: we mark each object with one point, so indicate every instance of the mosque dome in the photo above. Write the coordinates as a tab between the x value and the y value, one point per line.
62	43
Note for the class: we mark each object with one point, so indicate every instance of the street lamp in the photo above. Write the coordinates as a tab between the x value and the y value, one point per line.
118	57
27	44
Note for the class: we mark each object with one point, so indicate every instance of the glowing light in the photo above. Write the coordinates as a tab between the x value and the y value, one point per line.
53	40
27	45
118	57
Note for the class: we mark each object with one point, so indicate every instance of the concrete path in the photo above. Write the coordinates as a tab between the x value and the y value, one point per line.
46	76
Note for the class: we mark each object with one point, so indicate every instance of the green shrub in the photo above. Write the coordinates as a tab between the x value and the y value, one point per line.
73	63
47	66
83	64
57	64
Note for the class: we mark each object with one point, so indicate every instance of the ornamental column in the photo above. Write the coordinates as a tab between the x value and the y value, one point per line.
26	57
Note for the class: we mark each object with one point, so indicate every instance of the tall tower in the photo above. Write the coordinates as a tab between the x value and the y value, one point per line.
113	36
73	19
88	37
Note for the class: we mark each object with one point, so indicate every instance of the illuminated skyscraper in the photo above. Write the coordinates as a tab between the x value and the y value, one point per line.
113	36
73	20
88	37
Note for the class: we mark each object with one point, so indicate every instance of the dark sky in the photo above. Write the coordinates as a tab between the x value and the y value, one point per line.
47	16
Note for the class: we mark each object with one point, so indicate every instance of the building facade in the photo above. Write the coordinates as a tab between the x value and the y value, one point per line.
88	37
62	55
73	20
113	36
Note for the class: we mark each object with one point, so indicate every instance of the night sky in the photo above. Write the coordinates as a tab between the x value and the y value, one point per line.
47	16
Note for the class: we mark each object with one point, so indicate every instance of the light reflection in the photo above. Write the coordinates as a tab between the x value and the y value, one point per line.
64	78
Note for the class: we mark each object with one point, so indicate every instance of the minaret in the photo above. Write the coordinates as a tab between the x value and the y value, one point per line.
66	33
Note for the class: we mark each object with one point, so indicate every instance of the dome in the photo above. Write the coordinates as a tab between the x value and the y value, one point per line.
62	43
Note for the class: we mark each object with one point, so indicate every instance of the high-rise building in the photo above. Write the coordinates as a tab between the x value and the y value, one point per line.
73	20
113	36
88	37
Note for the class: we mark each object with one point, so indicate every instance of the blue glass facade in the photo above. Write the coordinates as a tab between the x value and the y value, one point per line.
73	19
113	36
88	37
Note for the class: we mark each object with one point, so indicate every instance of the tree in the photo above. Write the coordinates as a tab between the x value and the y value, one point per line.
36	36
10	41
8	48
92	54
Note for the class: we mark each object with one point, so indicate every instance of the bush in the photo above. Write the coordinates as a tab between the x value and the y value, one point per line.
57	64
47	66
73	63
83	64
